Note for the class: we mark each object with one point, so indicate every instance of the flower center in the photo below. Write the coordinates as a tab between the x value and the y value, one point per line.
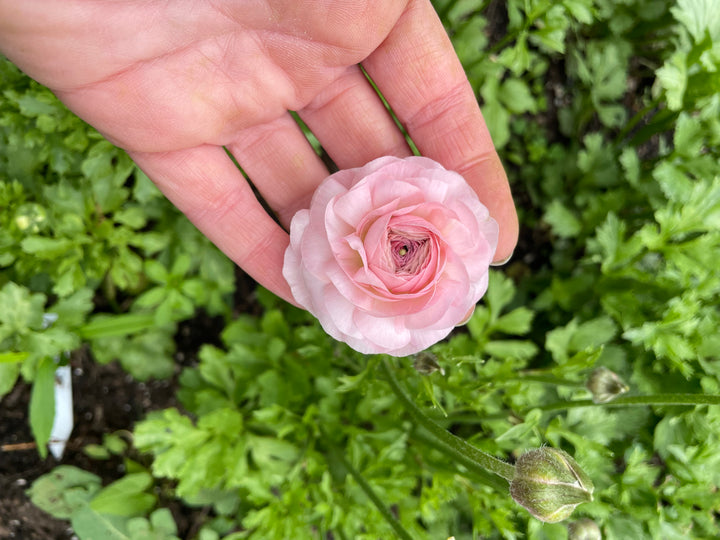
409	254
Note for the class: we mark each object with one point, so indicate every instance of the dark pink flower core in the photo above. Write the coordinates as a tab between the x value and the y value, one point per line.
410	254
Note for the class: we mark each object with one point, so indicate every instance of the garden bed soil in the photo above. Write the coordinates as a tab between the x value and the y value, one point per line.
106	400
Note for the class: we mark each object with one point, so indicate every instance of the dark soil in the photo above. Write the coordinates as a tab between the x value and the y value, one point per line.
106	400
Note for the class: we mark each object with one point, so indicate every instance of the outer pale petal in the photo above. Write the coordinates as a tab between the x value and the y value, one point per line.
293	268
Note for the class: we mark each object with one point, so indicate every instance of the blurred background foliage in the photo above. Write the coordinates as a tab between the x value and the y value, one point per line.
607	116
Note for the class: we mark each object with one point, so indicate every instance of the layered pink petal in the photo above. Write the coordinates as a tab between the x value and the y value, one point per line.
392	255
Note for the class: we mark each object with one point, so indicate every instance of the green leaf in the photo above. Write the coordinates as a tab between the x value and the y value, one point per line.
87	523
125	497
500	293
689	137
592	334
521	431
156	272
117	325
160	526
505	349
21	310
181	265
37	105
582	10
95	451
515	95
563	221
50	343
699	17
13	357
517	322
45	247
8	374
497	119
42	404
115	444
72	311
64	490
673	78
133	216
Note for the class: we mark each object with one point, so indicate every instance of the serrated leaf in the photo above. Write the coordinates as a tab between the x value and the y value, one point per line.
673	78
699	17
226	422
517	322
21	310
504	349
500	293
593	334
72	311
515	95
562	220
689	137
497	119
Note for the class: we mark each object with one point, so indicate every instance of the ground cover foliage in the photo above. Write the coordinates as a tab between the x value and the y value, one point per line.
607	116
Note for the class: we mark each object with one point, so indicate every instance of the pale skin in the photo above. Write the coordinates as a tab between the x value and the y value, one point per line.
177	83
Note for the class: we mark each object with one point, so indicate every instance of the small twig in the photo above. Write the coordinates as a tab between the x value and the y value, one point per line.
17	447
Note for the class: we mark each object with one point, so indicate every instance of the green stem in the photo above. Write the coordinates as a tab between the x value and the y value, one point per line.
632	122
523	376
458	445
394	523
484	476
624	401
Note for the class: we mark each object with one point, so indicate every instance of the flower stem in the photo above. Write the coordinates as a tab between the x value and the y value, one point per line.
394	523
421	435
624	401
456	444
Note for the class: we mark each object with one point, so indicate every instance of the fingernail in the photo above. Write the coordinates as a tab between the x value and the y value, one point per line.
504	261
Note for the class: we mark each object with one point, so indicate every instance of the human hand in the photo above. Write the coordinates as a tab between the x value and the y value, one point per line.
177	83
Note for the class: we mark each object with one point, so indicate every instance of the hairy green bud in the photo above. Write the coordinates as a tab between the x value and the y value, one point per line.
605	385
584	529
426	363
549	484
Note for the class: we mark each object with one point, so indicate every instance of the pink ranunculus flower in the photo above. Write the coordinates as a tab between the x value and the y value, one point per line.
391	256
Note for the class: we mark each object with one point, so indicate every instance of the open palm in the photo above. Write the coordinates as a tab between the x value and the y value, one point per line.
181	84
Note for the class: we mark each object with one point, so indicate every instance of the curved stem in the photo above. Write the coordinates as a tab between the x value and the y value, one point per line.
483	475
394	523
483	460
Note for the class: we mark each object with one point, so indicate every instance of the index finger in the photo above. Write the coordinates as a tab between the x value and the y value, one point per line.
419	74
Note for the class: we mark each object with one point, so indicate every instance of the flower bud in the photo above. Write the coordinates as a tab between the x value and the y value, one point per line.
426	363
549	484
605	385
584	529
